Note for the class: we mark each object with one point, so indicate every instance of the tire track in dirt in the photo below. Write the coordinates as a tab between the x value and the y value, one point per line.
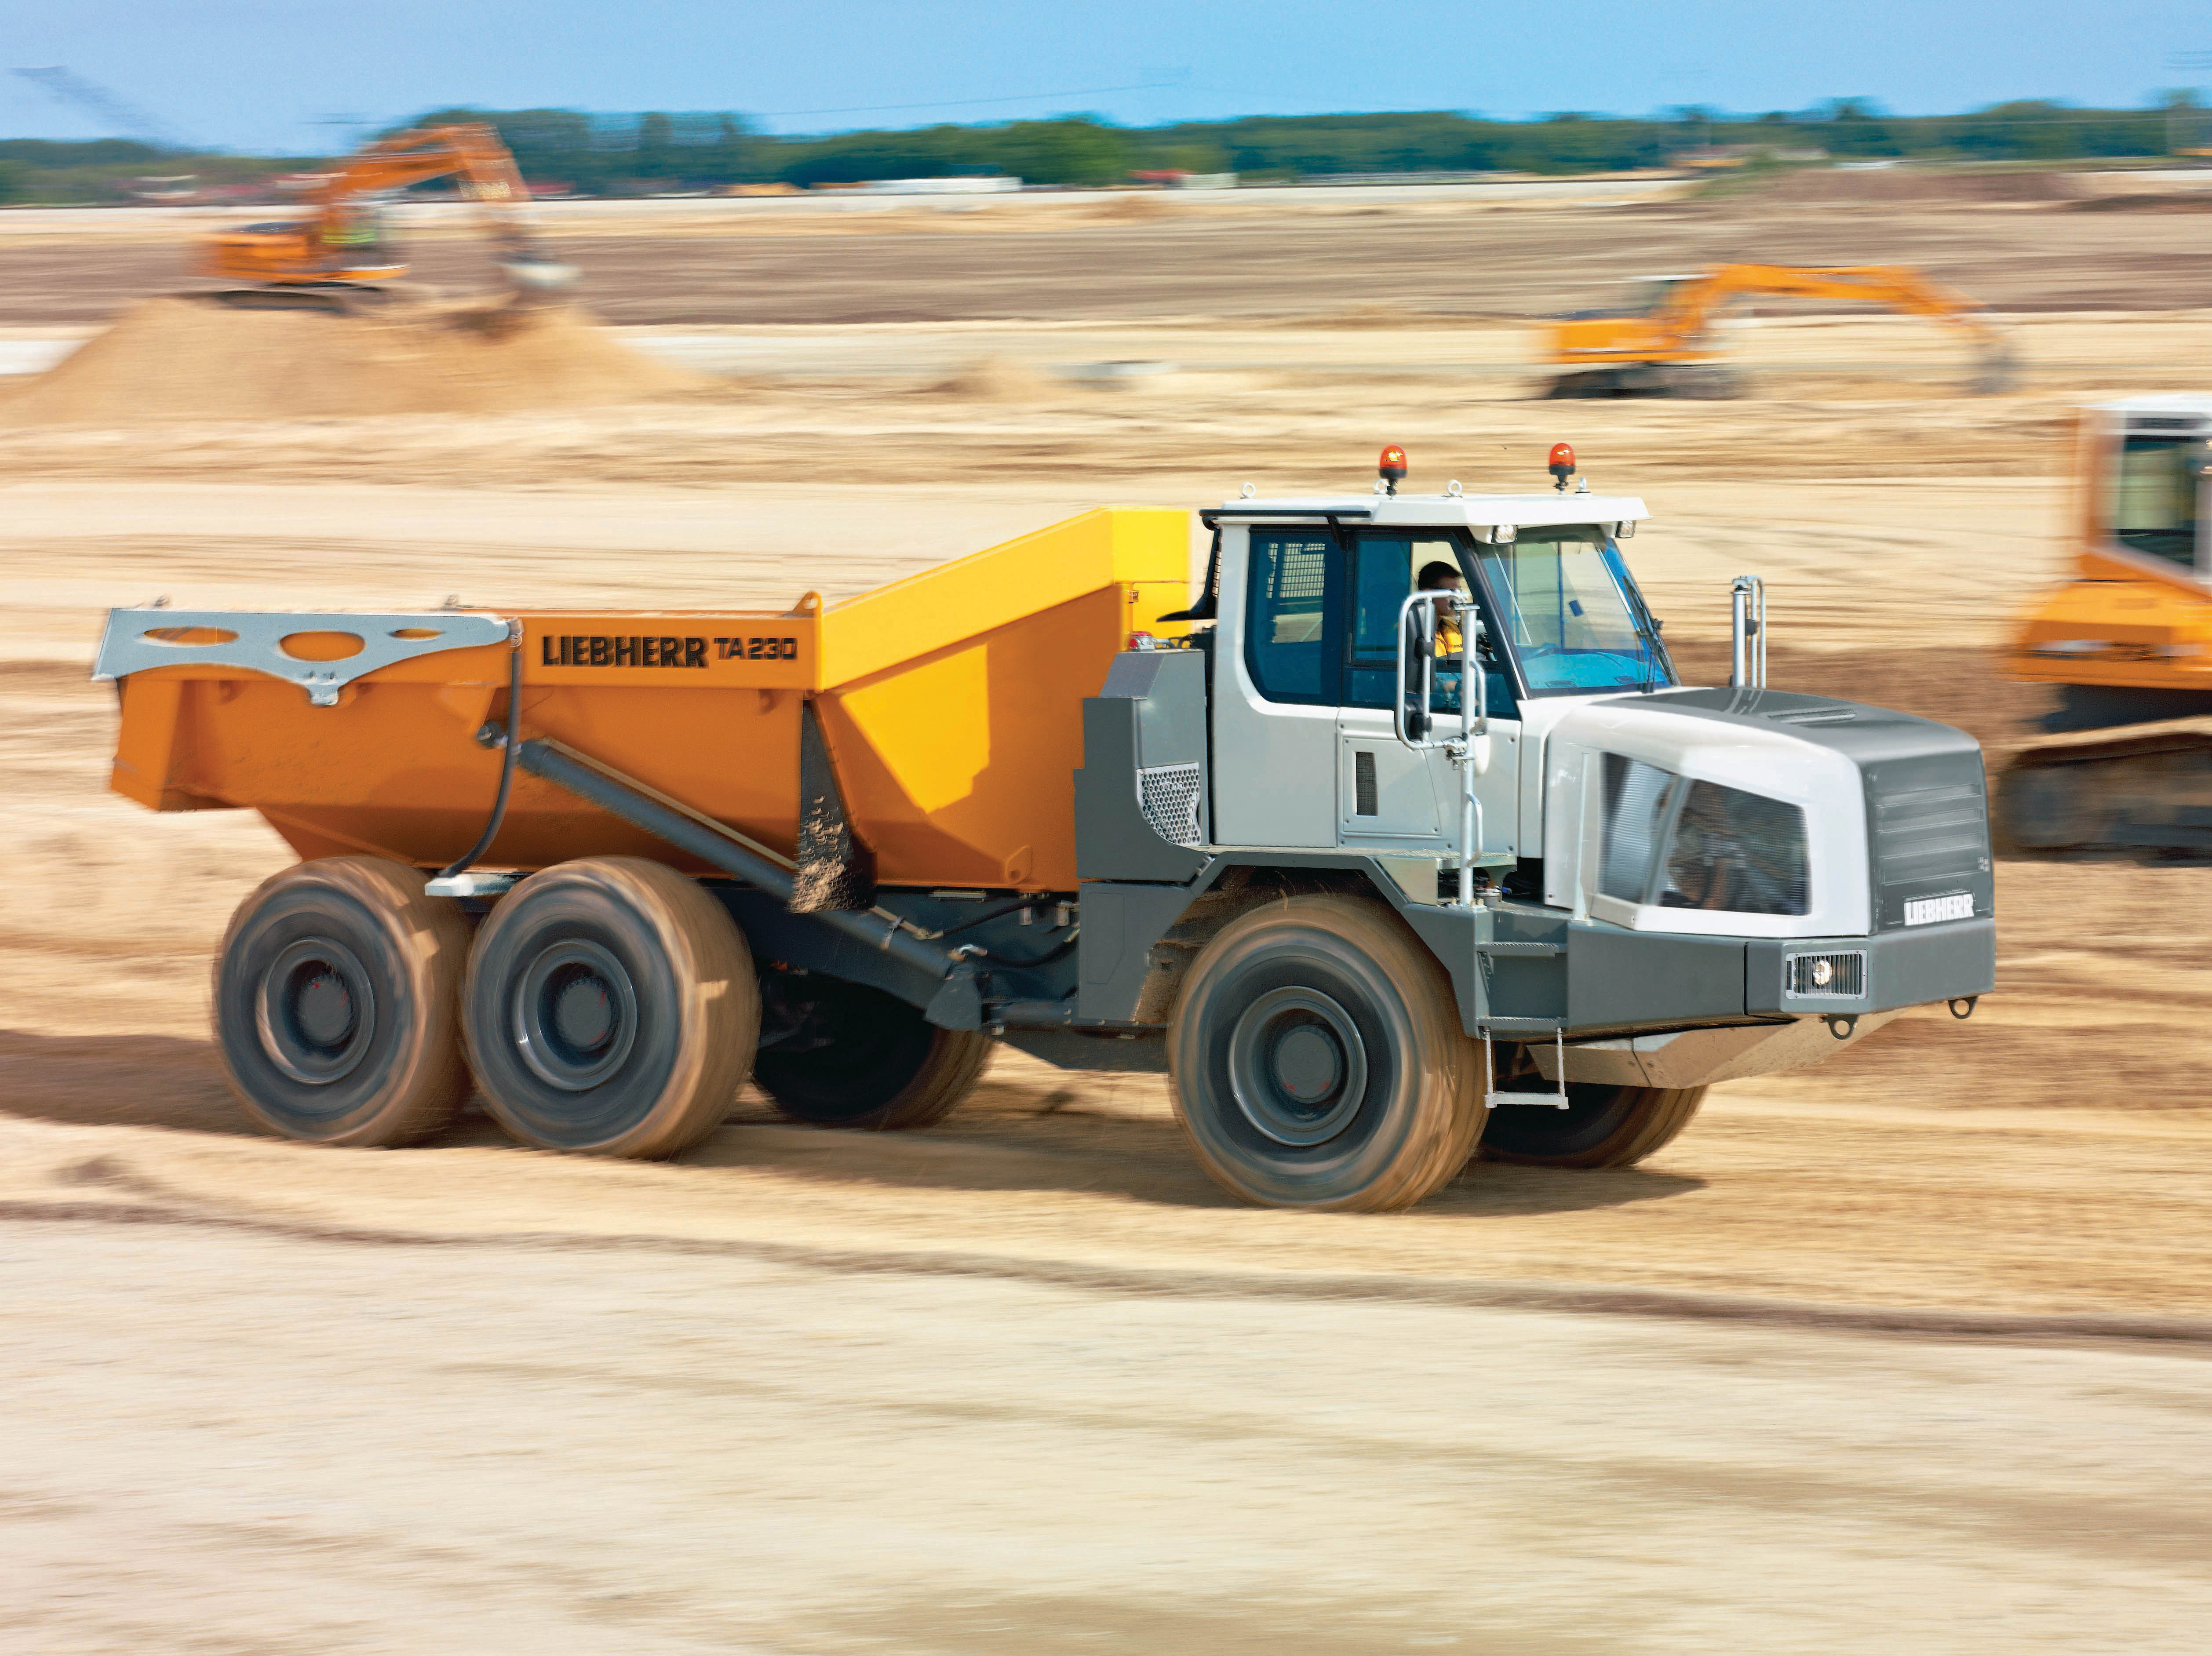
163	1207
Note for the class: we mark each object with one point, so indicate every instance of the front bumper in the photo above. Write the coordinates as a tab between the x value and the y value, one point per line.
1952	960
1524	971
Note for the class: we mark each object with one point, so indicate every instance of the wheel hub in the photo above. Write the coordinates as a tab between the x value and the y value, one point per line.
1308	1064
583	1014
1297	1068
324	1010
575	1014
315	1011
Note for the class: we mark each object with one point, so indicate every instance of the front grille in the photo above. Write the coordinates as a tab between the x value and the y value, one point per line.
1170	795
1844	973
1928	826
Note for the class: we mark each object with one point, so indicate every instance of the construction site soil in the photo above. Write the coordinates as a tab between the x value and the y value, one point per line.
2016	242
810	1390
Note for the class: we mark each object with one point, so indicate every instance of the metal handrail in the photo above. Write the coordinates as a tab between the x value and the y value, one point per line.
1469	752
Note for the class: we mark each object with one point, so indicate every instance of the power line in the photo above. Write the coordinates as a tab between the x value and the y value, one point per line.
72	88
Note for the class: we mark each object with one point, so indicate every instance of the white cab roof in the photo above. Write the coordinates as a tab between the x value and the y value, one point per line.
1451	511
2176	401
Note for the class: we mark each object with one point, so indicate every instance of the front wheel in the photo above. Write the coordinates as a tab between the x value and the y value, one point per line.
1319	1062
612	1008
1602	1127
860	1058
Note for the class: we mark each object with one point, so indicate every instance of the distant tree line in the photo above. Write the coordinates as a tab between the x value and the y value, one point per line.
601	154
107	169
631	154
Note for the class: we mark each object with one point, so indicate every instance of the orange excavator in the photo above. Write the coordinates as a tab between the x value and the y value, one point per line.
1665	347
339	257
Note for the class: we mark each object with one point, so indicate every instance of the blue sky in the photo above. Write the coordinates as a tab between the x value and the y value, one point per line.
259	74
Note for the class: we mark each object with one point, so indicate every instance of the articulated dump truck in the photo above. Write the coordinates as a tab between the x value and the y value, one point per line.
1400	838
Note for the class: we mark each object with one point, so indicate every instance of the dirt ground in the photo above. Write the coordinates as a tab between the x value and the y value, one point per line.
1241	254
1905	1350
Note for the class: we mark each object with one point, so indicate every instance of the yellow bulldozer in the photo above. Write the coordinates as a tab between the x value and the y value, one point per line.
1666	345
340	256
2125	760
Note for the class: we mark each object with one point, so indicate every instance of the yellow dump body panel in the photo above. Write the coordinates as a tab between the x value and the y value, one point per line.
951	703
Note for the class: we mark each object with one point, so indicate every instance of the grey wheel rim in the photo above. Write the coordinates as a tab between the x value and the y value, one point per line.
314	1012
575	1014
1297	1068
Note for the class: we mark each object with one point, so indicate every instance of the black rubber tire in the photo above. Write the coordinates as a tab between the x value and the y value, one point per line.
337	994
612	1009
881	1064
1391	1103
1603	1126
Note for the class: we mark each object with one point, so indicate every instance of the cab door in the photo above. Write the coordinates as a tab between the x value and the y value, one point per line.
1390	796
1276	686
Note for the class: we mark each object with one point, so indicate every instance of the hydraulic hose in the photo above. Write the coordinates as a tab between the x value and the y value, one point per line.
512	743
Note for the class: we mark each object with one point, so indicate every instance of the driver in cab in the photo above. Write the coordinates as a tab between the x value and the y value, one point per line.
1445	580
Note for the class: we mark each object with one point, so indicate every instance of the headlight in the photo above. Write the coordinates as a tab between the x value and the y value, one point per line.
1685	844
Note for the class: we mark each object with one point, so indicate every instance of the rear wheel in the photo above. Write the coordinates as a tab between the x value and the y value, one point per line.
860	1058
611	1007
1602	1127
338	1000
1319	1061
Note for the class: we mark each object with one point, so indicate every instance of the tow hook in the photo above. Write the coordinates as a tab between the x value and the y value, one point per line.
1841	1024
1963	1007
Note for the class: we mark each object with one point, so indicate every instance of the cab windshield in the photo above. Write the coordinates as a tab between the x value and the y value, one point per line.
2155	504
1571	613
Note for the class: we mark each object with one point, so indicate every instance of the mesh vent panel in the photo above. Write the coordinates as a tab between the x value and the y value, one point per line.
1169	796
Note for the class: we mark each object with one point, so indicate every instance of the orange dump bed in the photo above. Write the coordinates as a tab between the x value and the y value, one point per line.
951	704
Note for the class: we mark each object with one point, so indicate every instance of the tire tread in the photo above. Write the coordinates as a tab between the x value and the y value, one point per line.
428	940
1451	1105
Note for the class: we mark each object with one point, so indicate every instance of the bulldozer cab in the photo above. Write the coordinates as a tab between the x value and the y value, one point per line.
358	229
1648	295
2157	487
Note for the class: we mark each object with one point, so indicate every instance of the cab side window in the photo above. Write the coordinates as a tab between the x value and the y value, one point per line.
1385	568
1293	642
1382	574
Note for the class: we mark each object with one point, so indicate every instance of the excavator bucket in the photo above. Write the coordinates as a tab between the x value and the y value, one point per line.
535	279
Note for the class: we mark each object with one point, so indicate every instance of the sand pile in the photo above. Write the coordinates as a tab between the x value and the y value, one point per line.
2162	200
183	359
998	379
1886	186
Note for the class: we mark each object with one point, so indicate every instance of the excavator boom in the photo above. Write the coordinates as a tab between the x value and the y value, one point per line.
1668	348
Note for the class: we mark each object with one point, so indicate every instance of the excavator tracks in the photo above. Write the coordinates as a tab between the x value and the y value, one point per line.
2141	787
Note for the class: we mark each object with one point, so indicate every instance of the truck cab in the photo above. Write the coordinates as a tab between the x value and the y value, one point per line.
1633	888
